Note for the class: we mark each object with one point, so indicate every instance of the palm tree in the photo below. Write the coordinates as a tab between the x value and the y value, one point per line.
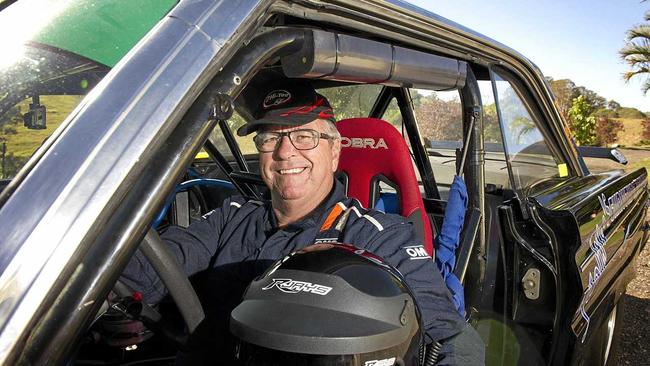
636	52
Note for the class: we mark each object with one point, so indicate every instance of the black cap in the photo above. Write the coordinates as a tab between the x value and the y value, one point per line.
290	103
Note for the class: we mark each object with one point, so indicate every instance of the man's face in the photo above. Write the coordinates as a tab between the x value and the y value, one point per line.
293	174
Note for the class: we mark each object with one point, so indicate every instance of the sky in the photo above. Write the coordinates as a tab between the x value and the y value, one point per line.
574	39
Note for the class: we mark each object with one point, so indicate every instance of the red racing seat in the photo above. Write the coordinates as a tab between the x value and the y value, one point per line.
373	150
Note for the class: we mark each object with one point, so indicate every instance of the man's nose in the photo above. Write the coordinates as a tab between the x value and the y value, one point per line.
285	148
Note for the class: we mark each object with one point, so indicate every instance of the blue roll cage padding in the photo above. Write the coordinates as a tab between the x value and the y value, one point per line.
447	241
205	182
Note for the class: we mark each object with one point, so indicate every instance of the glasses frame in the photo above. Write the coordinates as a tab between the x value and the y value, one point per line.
280	135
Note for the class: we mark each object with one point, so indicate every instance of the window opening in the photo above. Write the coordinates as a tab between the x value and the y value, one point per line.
531	161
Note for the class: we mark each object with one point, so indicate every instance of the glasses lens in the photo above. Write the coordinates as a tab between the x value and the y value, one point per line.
304	139
266	141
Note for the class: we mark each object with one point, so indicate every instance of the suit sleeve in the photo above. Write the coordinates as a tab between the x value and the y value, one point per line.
193	248
461	344
398	245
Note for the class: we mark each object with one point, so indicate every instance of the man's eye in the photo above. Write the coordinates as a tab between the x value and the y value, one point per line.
269	140
302	137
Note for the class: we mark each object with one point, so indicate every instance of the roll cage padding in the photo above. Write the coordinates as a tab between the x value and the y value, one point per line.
373	150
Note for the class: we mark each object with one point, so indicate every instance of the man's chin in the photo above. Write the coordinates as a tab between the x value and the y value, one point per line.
292	194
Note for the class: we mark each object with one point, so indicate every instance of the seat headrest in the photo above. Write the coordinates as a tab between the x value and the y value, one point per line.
373	150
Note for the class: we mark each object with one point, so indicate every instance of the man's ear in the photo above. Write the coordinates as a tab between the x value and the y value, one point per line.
336	153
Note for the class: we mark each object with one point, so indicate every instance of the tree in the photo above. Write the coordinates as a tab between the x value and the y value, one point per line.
582	123
627	112
491	128
564	93
646	131
609	113
613	105
607	130
591	97
636	53
440	120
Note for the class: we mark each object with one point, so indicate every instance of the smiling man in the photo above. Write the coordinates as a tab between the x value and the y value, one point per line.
299	149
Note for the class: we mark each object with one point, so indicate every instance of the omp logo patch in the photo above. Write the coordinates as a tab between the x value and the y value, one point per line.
290	286
275	98
363	143
417	252
384	362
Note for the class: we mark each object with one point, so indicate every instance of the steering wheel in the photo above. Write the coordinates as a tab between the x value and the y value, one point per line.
126	319
174	278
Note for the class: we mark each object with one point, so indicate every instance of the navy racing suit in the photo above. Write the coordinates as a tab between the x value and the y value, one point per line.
240	240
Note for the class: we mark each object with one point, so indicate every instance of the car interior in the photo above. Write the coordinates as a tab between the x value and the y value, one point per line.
386	164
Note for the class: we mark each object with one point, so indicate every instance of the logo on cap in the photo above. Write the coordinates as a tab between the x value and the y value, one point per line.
276	97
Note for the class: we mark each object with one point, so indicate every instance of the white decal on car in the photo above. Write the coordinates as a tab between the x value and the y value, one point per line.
290	286
612	207
384	362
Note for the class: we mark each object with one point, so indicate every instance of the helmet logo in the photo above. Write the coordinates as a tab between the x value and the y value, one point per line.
384	362
290	286
276	97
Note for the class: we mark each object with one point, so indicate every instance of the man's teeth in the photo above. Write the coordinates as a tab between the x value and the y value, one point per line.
292	171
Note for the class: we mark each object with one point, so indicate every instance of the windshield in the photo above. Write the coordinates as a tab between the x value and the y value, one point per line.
57	52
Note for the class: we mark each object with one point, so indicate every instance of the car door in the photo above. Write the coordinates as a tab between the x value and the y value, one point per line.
566	236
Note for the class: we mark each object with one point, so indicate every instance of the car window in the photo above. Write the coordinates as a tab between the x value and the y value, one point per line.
528	152
245	143
440	120
351	101
49	64
37	92
19	139
496	169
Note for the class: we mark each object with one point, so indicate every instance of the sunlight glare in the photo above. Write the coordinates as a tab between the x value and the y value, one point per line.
23	20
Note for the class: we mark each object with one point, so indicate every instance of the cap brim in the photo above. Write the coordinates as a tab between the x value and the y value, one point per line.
297	120
289	117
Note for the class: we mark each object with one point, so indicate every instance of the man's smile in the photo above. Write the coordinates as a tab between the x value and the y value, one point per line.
291	171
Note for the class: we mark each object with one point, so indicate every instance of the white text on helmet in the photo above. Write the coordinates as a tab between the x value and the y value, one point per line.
290	286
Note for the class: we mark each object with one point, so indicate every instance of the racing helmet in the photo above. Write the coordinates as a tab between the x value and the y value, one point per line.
328	304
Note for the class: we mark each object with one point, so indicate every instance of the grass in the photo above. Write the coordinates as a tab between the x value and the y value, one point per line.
644	162
632	136
25	141
632	132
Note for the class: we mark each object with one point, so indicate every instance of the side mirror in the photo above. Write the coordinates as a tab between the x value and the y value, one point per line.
618	156
35	118
602	153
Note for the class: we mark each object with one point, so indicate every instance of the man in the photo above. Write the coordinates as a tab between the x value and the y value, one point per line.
299	151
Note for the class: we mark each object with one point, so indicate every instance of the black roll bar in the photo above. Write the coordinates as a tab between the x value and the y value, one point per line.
471	262
420	156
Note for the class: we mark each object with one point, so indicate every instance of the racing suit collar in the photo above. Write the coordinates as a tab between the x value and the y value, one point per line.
316	217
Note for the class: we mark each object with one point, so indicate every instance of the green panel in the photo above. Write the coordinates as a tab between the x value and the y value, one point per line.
103	30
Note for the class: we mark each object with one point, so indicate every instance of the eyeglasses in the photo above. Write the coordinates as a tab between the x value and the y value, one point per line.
300	139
